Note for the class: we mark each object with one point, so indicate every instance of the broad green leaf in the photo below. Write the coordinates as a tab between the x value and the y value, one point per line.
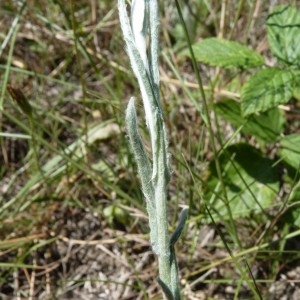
250	179
266	89
221	53
283	31
290	150
267	126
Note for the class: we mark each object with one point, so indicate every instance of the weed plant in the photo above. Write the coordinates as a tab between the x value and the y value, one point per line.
73	221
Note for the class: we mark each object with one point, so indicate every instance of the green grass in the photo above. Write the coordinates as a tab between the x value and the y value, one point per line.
72	216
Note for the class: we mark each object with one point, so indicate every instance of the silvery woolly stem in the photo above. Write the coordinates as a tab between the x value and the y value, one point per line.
154	175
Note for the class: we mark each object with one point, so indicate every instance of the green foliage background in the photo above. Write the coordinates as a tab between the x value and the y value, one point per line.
67	175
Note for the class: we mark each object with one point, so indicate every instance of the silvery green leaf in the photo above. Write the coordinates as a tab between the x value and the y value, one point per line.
139	24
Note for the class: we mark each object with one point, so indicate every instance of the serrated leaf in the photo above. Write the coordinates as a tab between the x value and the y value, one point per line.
221	53
267	126
250	179
283	31
266	89
290	150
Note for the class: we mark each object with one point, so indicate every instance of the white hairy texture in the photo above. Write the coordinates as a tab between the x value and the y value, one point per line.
154	176
139	28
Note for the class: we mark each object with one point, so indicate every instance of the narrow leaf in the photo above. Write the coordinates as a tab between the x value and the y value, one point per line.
166	290
144	168
176	234
266	89
221	53
18	96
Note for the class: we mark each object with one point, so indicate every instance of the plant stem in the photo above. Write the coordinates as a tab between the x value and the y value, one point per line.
145	20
